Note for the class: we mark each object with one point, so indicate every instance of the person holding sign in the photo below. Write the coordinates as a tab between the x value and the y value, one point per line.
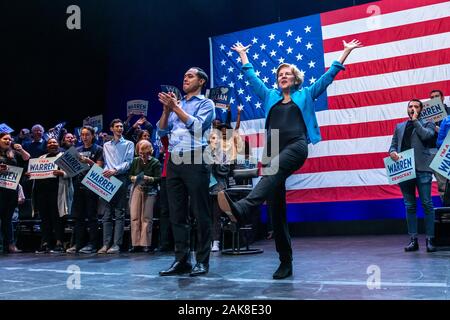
53	199
85	202
418	135
290	111
68	141
186	121
8	198
437	94
132	132
118	155
145	173
38	146
441	180
444	126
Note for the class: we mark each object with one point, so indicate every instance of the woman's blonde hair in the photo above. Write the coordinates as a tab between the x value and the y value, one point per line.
143	143
299	77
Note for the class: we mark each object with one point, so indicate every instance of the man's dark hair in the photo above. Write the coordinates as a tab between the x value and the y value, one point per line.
201	74
416	100
114	122
436	90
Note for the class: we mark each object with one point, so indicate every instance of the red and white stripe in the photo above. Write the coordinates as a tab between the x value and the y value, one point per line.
406	54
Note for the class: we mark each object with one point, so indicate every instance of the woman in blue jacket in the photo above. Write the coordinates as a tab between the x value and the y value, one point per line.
291	121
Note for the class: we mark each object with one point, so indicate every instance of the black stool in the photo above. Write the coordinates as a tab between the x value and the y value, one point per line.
243	187
442	220
442	226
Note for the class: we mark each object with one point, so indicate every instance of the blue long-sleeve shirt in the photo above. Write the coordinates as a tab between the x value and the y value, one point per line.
303	97
118	155
189	136
443	130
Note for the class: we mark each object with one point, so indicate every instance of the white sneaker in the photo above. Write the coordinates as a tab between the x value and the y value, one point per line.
215	246
114	249
72	249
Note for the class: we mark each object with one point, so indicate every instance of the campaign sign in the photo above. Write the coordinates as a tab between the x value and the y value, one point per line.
441	161
401	170
96	122
77	133
138	107
433	110
5	128
102	186
10	178
70	162
168	89
220	95
42	168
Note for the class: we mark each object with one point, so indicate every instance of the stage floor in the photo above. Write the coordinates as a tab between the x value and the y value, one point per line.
324	268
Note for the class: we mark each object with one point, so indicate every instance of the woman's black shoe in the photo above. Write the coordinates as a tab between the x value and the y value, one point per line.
43	249
430	245
283	271
133	249
227	205
148	250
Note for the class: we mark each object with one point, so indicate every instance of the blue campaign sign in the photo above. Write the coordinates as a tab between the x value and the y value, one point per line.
102	186
433	110
441	161
5	128
220	96
137	107
401	170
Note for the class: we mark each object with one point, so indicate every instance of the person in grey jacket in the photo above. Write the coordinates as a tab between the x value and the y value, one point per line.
418	135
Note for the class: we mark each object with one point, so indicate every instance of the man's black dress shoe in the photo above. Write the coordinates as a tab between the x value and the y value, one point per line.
430	245
227	206
177	267
199	269
283	271
413	245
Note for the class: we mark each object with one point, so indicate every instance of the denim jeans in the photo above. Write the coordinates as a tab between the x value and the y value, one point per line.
408	188
114	215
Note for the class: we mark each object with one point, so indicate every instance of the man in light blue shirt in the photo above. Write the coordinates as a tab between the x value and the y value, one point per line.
188	175
118	155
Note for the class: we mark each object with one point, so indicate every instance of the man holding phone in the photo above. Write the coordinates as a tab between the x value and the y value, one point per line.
186	121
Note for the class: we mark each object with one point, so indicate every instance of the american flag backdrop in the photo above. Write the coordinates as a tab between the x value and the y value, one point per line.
406	54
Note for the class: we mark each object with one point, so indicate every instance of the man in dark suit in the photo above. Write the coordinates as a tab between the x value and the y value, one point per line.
418	135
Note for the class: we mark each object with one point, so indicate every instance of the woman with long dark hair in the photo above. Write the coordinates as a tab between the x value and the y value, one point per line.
10	155
53	199
85	202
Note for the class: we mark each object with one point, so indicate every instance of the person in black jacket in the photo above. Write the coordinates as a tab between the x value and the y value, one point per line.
9	156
